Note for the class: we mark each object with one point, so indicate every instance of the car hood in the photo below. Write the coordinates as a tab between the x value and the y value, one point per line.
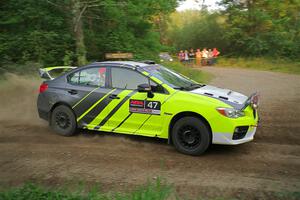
230	97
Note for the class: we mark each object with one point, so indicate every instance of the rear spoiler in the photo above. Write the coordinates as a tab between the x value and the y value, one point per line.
45	72
252	100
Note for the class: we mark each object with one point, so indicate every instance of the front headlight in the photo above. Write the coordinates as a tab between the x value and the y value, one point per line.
254	102
231	112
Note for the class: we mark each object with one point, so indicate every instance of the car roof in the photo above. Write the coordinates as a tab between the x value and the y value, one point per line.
130	64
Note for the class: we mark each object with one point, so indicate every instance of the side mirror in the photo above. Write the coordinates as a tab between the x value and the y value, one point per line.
145	88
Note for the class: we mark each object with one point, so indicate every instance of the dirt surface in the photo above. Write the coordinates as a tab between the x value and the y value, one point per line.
265	168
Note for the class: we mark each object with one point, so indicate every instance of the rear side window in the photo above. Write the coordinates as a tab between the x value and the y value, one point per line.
89	77
126	79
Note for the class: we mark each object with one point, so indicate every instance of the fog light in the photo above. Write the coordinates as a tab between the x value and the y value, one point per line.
240	132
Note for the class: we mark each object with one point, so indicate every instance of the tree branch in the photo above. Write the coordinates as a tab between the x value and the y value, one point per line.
79	17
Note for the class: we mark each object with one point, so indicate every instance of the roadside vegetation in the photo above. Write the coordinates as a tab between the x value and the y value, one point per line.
261	63
240	29
155	191
152	191
77	32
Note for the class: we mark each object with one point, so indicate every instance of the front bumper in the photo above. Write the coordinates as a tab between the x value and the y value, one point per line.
226	138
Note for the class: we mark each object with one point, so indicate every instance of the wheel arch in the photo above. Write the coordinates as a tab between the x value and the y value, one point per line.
187	114
59	103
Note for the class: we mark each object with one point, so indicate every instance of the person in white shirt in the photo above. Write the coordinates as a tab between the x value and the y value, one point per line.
186	56
204	56
204	53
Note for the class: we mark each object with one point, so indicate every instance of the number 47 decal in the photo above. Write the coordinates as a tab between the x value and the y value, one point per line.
152	104
146	107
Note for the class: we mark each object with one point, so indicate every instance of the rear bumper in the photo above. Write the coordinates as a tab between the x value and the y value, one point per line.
226	138
43	114
43	107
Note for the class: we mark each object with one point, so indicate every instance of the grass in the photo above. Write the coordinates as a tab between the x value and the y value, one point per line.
151	191
266	64
193	73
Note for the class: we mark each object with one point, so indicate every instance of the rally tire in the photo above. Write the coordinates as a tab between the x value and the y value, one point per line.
63	121
191	136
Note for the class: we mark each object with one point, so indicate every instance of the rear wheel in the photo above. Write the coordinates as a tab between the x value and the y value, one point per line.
63	121
191	135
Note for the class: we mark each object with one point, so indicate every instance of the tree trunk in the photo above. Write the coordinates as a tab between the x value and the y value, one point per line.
77	12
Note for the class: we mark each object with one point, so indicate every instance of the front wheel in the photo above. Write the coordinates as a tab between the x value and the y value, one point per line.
63	121
191	136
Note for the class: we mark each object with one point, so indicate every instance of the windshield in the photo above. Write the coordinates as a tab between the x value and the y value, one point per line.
171	78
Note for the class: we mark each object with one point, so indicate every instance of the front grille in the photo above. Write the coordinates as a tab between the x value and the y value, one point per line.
240	132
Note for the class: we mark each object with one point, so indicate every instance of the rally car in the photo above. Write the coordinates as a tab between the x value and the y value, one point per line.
146	99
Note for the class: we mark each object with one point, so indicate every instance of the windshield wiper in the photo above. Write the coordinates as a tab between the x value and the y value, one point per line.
196	85
182	88
191	87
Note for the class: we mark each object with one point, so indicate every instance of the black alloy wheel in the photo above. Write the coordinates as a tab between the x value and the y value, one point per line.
63	121
190	135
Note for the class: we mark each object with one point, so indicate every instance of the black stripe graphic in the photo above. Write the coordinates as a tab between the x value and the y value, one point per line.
122	122
114	110
143	123
88	102
90	116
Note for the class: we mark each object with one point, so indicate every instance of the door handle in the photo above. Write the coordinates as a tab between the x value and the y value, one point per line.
72	92
114	96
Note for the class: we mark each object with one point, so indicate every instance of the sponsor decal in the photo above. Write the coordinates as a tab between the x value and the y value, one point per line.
144	106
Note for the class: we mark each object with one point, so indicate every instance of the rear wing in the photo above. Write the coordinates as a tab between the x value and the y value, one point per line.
51	73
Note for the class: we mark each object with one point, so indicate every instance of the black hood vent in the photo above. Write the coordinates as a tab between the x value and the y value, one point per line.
209	94
223	97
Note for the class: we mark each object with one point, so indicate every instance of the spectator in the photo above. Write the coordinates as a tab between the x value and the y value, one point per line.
215	54
210	53
209	57
204	56
204	53
192	56
186	56
198	57
181	56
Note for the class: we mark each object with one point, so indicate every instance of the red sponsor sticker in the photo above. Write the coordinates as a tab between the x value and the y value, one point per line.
137	103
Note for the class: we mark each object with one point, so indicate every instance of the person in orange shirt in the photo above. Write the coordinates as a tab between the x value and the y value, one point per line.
198	57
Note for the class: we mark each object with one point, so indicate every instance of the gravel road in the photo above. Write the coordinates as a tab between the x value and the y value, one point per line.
265	168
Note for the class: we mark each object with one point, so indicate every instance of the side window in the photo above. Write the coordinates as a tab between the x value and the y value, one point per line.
126	79
89	77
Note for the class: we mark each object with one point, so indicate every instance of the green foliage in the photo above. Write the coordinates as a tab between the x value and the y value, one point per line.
195	29
243	28
43	31
129	27
263	28
32	31
152	191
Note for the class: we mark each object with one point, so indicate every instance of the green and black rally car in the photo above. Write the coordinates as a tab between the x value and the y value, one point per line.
146	99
